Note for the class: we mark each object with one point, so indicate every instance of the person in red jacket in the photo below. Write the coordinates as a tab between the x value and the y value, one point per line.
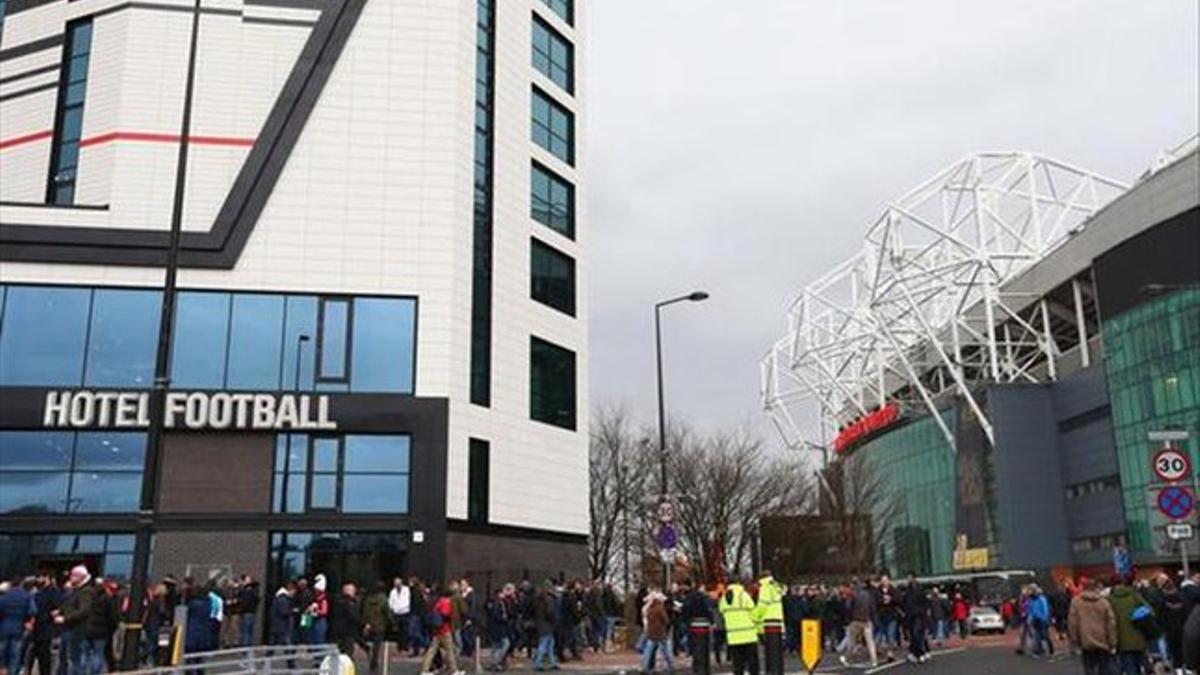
961	611
439	623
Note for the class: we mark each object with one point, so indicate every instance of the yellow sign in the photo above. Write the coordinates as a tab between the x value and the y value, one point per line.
810	644
971	559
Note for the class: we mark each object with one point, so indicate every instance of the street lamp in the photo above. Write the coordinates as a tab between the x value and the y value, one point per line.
694	296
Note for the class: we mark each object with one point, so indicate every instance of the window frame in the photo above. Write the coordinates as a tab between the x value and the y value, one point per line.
478	510
536	93
571	424
64	108
538	22
553	176
347	337
536	245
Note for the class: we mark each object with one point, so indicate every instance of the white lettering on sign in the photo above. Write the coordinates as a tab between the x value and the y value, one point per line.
187	410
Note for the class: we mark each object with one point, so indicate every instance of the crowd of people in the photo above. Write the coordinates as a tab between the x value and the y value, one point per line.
1121	627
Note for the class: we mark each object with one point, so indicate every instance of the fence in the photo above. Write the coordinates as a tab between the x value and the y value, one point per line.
264	660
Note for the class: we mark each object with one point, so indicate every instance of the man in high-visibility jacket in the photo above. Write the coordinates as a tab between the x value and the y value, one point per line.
741	628
769	616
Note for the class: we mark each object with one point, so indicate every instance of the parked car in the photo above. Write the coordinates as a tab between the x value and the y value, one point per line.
985	620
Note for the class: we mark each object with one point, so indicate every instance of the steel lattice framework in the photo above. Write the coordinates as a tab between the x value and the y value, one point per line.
921	311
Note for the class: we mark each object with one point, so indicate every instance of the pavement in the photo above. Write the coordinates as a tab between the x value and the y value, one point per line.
978	655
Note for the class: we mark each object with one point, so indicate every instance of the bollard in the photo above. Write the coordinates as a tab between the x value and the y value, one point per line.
701	649
773	646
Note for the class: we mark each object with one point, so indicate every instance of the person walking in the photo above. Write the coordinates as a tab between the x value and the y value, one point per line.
439	622
319	611
17	607
46	601
862	618
543	619
249	597
916	616
281	615
768	613
400	605
741	629
500	624
1131	643
1039	618
377	623
83	614
658	625
346	620
697	614
1092	625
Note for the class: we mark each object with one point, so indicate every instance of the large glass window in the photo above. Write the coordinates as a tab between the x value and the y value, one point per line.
255	342
552	201
43	334
565	9
69	472
201	331
481	245
107	337
478	477
68	129
552	277
553	56
380	326
551	384
122	343
553	127
355	473
359	557
106	555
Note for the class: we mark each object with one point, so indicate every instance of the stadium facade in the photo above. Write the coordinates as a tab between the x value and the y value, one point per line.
995	358
379	356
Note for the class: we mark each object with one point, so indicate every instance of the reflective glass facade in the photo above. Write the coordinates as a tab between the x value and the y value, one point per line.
553	55
106	337
352	473
916	511
552	200
552	277
361	557
1152	356
107	555
481	253
553	127
551	384
70	472
68	127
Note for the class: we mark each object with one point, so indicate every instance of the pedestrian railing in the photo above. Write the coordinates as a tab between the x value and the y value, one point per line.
265	660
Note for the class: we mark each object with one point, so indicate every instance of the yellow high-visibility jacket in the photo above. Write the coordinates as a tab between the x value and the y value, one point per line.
737	610
769	611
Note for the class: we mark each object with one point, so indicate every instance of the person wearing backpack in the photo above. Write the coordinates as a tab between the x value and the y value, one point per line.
1131	640
438	622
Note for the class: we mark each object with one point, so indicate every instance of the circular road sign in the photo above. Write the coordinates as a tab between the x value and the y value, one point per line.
1172	464
1176	502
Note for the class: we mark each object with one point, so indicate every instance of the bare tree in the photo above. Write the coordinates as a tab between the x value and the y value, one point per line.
620	478
856	495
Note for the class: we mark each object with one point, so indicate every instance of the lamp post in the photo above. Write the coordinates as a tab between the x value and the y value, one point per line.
152	467
694	296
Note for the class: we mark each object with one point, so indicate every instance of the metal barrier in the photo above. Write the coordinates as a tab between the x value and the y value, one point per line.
298	659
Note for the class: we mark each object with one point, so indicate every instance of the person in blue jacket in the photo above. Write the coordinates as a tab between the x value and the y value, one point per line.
1039	619
16	608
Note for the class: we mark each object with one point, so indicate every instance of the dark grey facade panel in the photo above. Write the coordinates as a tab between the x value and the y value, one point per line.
1088	453
1031	516
1095	514
1080	392
1167	254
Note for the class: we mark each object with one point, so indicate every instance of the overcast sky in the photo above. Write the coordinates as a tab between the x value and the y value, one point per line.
742	148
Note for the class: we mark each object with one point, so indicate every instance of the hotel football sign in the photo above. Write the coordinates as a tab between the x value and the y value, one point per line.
195	410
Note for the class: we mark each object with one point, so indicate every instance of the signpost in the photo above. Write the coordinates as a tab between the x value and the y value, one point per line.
810	644
1176	486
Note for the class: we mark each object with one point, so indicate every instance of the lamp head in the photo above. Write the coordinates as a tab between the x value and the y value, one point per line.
697	296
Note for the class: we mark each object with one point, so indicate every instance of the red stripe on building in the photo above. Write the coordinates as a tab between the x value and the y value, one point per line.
137	136
146	137
27	138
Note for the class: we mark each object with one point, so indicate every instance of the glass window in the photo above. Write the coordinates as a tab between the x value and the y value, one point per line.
36	450
255	342
553	127
105	492
201	332
551	384
481	233
552	201
383	345
375	493
299	342
565	9
323	491
33	492
335	322
377	454
478	476
553	56
110	451
552	277
123	340
45	329
64	149
325	454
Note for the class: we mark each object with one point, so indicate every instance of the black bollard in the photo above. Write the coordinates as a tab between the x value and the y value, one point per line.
701	648
773	646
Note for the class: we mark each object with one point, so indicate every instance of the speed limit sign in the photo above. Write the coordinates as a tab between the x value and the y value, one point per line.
1172	464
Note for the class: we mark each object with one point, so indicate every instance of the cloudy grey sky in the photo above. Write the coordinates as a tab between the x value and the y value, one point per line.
742	148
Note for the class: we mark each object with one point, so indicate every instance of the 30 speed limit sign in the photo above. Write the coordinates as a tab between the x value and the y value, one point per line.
1172	464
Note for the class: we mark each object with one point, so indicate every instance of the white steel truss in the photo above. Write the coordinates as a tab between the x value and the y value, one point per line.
922	311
